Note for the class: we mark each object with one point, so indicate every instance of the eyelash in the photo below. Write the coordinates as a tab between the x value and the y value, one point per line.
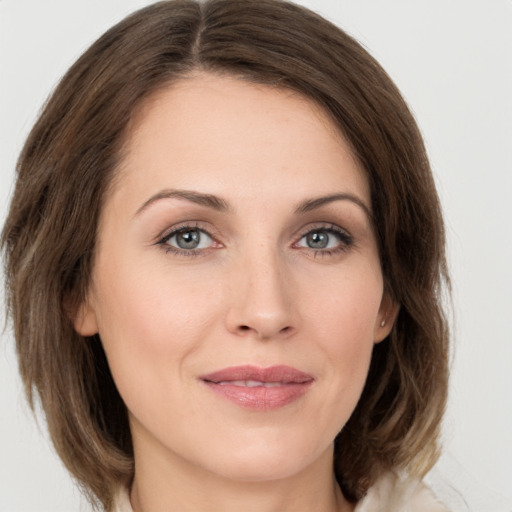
346	241
187	253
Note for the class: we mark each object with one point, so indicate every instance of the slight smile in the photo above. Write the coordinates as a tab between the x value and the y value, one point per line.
260	389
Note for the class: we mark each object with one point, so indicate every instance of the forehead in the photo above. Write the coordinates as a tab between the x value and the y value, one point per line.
206	130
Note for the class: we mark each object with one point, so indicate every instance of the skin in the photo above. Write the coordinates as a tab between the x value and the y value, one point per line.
253	292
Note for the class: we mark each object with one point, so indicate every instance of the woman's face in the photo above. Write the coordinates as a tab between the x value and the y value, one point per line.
237	288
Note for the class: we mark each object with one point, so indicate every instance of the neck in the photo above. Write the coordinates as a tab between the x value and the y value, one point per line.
169	483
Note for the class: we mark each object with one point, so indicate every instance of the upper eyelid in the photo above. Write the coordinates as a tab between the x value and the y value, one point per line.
326	226
209	229
182	226
162	242
174	232
346	239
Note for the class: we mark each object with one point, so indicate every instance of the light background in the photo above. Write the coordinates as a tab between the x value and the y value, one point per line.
452	59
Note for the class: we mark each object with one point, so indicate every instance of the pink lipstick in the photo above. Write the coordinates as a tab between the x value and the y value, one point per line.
261	389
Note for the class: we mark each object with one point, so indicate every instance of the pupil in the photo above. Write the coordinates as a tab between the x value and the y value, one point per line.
188	239
317	240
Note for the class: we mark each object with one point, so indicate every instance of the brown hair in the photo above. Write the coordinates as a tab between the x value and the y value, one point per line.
69	161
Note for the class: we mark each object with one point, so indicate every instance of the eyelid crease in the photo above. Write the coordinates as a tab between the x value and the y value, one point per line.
184	226
323	226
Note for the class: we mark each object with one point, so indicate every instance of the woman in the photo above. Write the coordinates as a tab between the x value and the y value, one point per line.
226	234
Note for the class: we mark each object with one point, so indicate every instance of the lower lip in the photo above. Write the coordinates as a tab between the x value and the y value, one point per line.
261	398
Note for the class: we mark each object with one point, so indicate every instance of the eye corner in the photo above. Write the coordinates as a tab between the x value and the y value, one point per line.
190	239
333	240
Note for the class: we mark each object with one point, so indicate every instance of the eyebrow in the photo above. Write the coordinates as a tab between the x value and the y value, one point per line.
218	204
208	200
315	203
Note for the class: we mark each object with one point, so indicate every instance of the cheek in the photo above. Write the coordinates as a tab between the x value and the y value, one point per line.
344	311
343	321
149	322
149	305
348	345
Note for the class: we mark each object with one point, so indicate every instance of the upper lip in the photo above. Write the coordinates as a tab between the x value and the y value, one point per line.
279	373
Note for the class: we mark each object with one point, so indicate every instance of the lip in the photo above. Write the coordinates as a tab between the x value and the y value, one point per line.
260	389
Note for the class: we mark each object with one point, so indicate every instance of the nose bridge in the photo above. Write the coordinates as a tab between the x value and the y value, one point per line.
262	301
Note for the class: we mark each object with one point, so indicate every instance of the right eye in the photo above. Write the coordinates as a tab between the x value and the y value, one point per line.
188	239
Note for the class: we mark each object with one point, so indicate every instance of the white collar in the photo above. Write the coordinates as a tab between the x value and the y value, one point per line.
392	493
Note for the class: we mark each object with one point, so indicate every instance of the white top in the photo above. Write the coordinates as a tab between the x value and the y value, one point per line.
391	493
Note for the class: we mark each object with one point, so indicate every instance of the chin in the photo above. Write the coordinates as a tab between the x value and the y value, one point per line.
267	461
259	471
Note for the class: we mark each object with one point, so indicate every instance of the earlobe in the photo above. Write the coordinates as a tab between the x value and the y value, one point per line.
85	320
386	318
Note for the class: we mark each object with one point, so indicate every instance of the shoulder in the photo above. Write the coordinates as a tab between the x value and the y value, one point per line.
400	493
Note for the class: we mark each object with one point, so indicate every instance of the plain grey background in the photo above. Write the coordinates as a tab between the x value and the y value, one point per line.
452	59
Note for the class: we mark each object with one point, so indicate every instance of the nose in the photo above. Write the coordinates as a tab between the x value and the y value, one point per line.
262	302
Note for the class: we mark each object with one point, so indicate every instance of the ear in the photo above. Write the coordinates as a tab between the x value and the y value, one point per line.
84	319
388	312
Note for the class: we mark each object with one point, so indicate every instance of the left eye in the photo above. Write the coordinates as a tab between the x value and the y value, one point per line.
189	239
322	239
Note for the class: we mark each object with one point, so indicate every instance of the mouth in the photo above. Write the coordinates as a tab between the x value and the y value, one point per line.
261	389
249	383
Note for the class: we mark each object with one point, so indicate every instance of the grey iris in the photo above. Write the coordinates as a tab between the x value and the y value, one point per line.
317	240
188	239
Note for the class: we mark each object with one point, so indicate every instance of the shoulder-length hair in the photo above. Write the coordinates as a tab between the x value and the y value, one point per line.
70	159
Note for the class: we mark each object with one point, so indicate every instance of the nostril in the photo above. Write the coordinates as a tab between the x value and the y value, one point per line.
246	328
